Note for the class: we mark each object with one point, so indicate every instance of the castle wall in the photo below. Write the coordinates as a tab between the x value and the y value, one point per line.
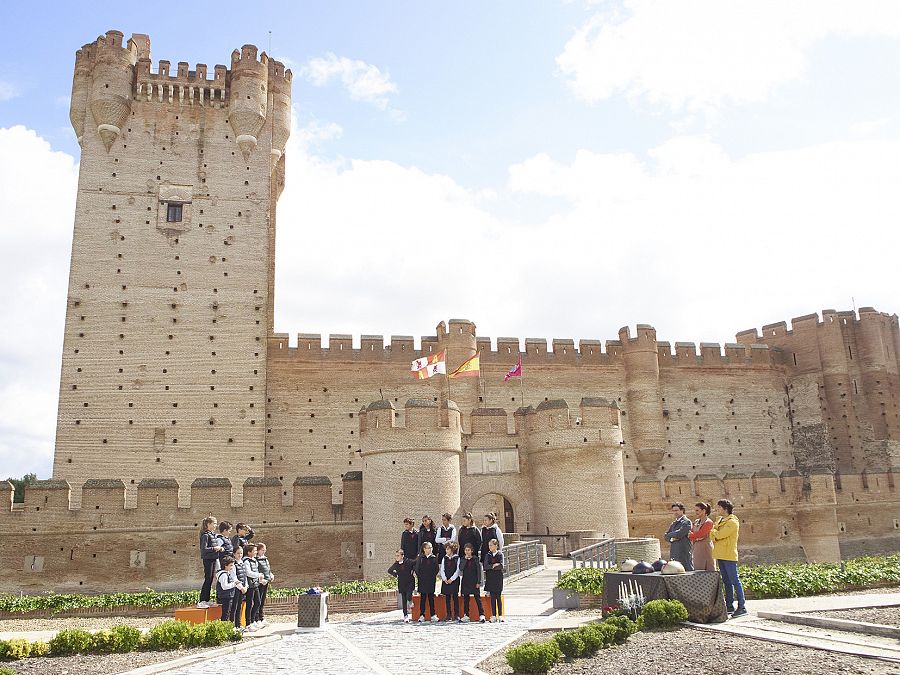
164	350
104	546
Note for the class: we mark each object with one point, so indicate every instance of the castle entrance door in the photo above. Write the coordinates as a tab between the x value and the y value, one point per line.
496	503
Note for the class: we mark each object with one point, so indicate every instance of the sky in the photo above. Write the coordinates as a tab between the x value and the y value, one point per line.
544	169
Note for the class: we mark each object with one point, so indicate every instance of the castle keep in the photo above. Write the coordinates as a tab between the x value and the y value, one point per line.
178	399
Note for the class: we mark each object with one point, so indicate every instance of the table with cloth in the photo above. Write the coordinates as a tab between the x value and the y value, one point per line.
700	592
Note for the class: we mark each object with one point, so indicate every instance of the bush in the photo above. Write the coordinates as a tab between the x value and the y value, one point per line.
168	635
39	648
213	634
620	628
533	657
4	670
570	643
17	649
584	580
663	613
795	580
594	637
71	641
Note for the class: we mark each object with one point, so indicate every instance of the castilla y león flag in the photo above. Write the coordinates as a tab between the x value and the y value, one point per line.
469	368
515	371
427	366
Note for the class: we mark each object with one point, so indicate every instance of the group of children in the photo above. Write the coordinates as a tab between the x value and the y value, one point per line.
433	552
241	571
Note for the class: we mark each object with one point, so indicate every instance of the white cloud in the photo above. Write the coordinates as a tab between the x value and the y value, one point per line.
705	54
37	190
8	91
362	81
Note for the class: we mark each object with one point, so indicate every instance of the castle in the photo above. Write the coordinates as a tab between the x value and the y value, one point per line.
178	399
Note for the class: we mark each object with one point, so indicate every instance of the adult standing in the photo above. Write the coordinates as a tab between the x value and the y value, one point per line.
491	530
699	536
677	536
724	536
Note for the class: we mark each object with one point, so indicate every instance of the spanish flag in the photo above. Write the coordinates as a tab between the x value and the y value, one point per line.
470	368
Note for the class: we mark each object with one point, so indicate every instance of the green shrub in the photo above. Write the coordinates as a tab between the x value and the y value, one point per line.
39	648
621	628
570	643
533	657
795	580
663	613
168	635
71	641
17	649
4	670
127	638
584	580
594	638
639	624
213	634
3	648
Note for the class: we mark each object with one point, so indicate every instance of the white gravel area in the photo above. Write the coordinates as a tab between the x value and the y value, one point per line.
886	616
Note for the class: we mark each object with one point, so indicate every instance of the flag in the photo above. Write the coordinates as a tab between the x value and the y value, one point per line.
469	368
427	366
515	371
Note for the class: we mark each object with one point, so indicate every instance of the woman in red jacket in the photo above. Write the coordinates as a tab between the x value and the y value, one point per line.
699	534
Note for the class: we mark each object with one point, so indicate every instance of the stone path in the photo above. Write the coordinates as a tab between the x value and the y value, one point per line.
385	645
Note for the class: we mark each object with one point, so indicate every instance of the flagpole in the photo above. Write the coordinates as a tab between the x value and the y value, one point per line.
448	382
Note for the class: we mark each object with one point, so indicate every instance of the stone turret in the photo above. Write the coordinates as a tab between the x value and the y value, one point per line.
645	418
408	471
249	97
576	467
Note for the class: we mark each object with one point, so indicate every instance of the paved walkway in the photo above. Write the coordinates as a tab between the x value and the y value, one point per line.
384	644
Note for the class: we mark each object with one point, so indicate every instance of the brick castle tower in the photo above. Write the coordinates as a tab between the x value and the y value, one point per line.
171	282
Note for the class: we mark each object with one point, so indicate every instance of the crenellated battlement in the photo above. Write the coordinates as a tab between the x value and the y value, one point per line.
503	351
830	319
103	503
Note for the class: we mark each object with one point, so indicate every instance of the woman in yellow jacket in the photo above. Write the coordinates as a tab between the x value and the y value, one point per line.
724	536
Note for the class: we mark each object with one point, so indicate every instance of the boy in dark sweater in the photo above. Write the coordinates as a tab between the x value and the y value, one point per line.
427	572
224	540
409	540
226	587
243	536
403	569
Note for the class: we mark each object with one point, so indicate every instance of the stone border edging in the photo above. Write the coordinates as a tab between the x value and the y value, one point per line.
202	656
846	625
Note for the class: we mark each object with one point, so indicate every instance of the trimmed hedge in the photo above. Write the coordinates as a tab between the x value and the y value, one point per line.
61	602
533	657
663	614
801	579
168	635
584	580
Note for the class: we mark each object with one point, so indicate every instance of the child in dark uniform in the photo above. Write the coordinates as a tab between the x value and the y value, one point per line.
450	580
237	605
403	570
426	572
445	534
409	540
493	578
490	531
470	571
427	532
469	533
226	587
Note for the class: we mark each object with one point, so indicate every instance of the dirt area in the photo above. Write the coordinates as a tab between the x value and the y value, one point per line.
701	653
886	616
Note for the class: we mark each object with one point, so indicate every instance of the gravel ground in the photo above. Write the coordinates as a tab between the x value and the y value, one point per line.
702	653
95	665
85	623
886	616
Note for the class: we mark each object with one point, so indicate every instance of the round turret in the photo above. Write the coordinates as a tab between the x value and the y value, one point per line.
408	471
645	418
280	89
577	474
81	87
249	97
110	97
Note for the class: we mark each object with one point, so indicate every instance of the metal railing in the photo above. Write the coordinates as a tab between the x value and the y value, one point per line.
601	554
557	544
522	556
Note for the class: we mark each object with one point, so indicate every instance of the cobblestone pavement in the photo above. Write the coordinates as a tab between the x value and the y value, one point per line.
379	645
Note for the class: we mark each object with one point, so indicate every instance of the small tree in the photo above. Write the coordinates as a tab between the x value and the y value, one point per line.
19	485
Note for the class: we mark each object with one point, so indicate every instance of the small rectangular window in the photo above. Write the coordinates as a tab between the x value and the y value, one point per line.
173	213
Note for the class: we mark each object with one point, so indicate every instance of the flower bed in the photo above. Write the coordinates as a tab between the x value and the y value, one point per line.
354	596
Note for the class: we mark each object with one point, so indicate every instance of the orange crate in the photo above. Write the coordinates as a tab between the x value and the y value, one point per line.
440	607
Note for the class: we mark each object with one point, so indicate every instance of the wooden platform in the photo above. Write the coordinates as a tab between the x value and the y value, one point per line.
197	615
440	607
